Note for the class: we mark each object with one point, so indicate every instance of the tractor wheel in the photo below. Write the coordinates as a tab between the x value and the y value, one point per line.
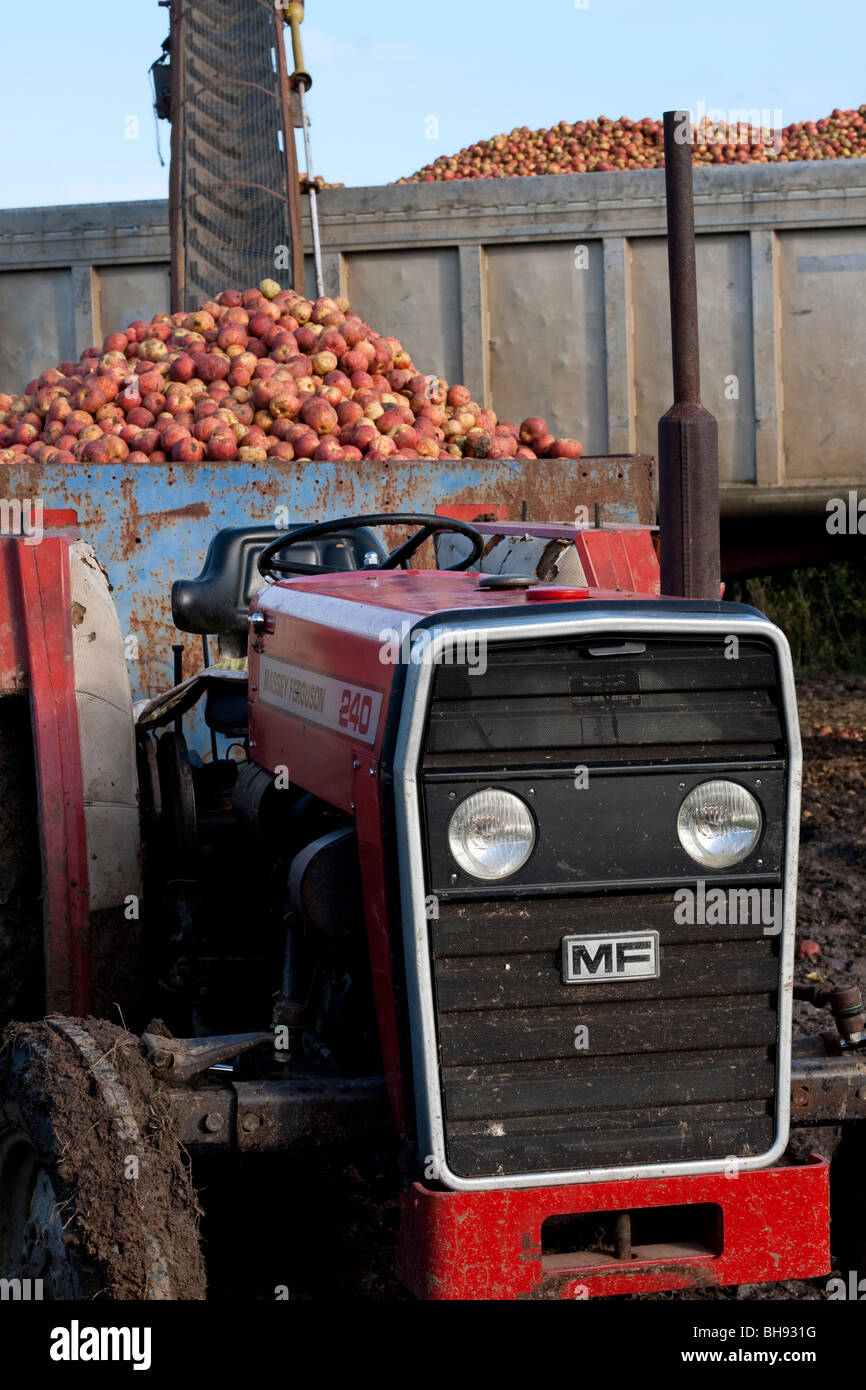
22	986
95	1198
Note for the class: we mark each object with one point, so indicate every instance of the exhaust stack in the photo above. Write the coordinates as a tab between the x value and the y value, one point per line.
688	434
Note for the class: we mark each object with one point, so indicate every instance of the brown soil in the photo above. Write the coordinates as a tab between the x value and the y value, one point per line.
832	890
117	1229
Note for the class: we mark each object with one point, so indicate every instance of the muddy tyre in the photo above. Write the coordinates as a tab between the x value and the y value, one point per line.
96	1200
22	988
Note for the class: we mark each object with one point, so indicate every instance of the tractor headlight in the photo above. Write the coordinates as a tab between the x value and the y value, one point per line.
491	834
719	824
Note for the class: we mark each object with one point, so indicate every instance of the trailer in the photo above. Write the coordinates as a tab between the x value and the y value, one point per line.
577	261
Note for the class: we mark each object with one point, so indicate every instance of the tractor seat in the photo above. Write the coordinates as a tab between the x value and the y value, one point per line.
217	601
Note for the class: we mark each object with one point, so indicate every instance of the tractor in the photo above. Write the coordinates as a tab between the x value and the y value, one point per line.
487	865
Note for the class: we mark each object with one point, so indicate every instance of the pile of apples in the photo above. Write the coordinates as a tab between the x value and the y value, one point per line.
582	147
255	375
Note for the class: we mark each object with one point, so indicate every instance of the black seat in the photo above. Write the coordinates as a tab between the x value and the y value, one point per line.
218	600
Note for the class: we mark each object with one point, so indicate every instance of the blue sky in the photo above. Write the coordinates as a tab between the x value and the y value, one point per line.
74	75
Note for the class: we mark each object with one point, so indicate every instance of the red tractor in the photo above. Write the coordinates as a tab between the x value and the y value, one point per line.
466	806
493	874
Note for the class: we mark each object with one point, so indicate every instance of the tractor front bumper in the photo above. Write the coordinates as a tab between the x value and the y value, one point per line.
591	1240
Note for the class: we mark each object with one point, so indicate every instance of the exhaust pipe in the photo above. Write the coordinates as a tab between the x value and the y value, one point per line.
688	434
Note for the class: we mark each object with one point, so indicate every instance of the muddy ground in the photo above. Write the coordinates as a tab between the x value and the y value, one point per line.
832	891
330	1233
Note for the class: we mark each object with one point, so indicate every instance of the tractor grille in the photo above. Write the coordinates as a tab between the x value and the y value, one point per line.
667	700
679	1068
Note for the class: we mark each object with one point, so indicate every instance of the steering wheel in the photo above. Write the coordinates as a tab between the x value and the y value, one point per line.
429	526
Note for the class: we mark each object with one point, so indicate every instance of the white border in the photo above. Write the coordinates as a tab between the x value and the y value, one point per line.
425	1052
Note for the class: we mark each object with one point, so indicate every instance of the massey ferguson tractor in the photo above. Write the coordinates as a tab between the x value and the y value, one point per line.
489	865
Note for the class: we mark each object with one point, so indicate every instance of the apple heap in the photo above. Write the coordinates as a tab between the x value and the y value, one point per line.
251	376
582	147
